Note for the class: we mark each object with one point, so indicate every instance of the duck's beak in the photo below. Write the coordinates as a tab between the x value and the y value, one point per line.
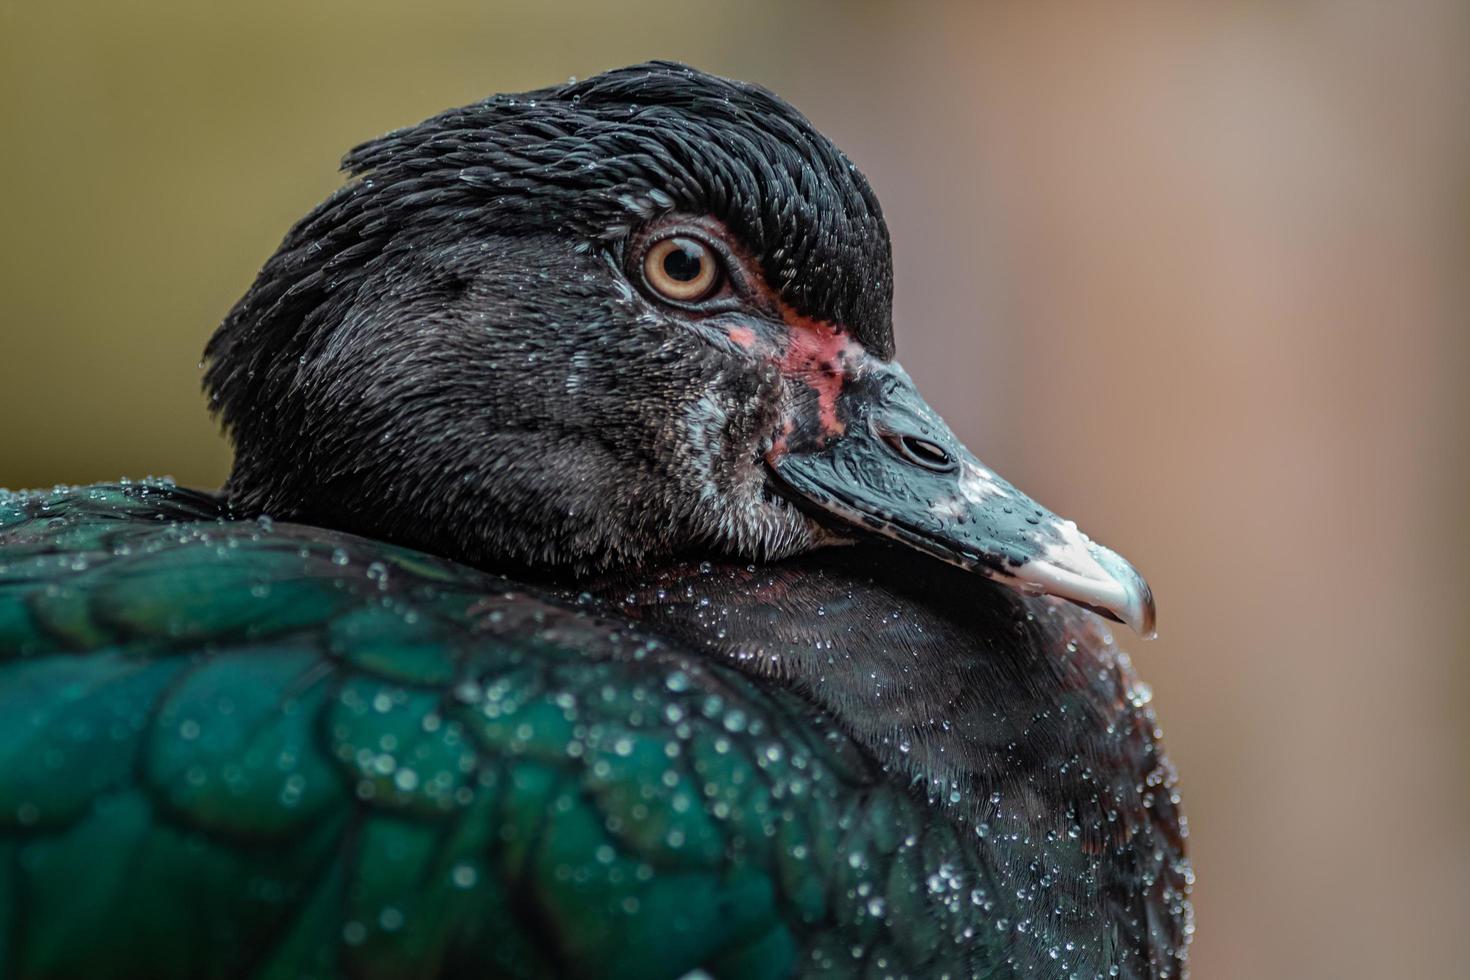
881	461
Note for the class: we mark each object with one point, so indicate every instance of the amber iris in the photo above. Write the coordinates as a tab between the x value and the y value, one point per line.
681	269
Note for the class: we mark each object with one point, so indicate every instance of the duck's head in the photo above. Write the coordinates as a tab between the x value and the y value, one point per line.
619	320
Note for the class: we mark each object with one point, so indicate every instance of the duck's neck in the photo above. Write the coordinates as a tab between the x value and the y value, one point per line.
1019	717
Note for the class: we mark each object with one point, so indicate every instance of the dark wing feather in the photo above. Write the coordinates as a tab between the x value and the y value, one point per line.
229	748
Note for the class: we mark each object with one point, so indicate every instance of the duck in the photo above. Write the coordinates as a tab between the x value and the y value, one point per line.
592	594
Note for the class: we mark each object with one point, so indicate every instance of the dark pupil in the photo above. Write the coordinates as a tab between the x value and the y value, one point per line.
684	261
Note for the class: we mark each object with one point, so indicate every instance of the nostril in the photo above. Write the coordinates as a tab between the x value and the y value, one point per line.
927	453
921	452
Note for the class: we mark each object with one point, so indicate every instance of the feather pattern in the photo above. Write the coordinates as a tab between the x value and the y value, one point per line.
239	748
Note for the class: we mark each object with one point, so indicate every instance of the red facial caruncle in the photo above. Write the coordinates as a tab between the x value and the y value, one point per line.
820	356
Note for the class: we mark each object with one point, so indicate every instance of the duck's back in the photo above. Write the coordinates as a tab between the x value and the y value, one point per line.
230	748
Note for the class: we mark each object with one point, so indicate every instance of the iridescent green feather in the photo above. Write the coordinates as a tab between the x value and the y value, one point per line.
232	748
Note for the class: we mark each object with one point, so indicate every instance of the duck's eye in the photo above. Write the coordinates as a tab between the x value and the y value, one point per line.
680	269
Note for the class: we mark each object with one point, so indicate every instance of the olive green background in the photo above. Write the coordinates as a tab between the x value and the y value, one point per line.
1194	275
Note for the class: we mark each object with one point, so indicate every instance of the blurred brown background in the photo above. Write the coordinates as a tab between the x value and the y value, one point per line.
1197	276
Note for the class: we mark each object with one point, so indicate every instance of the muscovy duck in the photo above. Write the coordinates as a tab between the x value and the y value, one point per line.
592	595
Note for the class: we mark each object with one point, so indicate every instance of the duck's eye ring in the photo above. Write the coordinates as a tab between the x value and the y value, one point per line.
682	269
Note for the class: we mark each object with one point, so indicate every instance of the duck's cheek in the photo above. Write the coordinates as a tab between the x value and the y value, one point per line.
738	510
816	363
796	367
743	336
741	344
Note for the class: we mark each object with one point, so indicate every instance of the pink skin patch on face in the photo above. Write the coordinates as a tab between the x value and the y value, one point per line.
743	336
818	355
